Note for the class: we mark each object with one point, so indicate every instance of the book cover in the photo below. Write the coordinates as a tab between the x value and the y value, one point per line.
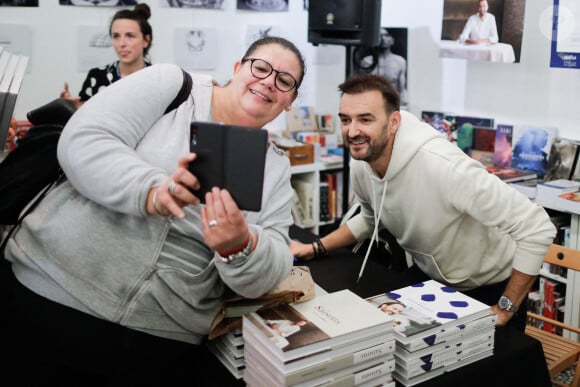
226	152
548	190
304	189
326	322
484	139
484	157
301	119
531	147
466	130
569	202
562	159
511	174
9	88
443	123
502	153
426	307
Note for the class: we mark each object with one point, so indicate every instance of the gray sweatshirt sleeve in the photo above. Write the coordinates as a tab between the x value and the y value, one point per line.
97	148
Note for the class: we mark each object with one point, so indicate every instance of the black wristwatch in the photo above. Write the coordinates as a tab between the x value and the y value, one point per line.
506	304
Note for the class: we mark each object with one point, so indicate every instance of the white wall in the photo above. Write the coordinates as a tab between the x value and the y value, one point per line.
527	92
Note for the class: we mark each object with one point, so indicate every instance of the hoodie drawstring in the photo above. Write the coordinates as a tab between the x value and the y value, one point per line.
375	235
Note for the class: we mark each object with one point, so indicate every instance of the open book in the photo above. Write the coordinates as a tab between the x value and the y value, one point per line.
297	287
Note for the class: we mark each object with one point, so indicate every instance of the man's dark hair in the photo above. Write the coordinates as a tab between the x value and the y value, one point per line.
360	83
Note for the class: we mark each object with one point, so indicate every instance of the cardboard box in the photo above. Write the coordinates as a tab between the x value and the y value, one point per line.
298	153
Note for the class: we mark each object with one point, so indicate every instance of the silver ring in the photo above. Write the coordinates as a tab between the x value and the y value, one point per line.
172	187
212	223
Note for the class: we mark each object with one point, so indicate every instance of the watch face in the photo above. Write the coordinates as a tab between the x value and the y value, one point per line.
504	302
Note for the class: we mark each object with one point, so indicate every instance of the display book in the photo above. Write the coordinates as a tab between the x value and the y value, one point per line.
225	336
436	329
12	69
334	339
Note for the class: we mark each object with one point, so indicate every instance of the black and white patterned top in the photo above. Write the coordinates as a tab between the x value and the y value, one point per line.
99	78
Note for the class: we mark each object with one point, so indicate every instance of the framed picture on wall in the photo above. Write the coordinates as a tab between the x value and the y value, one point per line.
19	3
263	6
480	31
196	48
97	3
210	4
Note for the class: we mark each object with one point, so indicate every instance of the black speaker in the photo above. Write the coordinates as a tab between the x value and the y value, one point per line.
344	22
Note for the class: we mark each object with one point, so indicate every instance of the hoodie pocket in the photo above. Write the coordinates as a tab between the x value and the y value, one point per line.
429	266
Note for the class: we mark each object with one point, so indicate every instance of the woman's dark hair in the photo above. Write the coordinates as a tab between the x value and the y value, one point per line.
283	43
141	13
360	83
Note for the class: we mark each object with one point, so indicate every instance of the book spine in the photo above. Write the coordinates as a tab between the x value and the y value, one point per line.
332	365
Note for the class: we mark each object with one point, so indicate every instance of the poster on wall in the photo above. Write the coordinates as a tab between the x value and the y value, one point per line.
97	3
196	48
209	4
255	32
480	32
95	48
388	59
263	6
565	46
16	38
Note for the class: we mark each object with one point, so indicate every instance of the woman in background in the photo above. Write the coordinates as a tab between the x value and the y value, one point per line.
132	36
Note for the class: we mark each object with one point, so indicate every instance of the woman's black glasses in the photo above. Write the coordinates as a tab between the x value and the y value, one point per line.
262	70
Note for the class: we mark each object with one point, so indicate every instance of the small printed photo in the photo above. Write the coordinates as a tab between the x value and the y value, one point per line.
263	5
97	3
209	4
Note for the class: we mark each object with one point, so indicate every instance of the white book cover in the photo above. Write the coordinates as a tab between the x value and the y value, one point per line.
548	190
321	324
426	308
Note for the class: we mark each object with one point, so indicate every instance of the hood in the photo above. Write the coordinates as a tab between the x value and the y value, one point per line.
411	136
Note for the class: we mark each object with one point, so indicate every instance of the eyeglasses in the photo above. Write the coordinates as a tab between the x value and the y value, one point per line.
262	70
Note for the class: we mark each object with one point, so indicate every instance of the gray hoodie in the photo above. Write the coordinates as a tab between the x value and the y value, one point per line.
462	225
91	245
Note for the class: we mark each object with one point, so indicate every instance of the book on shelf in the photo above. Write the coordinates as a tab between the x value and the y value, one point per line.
301	119
442	122
304	189
502	153
319	325
562	159
531	147
426	308
467	126
527	187
484	157
512	174
550	189
569	202
298	286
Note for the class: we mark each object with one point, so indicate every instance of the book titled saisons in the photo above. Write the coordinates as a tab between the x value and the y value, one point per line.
426	308
322	324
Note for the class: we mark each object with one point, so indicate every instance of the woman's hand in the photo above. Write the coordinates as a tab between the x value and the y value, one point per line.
65	94
224	227
302	251
170	197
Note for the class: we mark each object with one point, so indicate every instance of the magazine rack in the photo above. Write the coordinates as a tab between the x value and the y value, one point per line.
560	353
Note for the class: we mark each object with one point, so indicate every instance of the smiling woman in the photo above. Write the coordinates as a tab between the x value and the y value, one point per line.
131	35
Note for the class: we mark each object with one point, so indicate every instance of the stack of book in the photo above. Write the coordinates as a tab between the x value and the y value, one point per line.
12	69
229	349
437	329
336	339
